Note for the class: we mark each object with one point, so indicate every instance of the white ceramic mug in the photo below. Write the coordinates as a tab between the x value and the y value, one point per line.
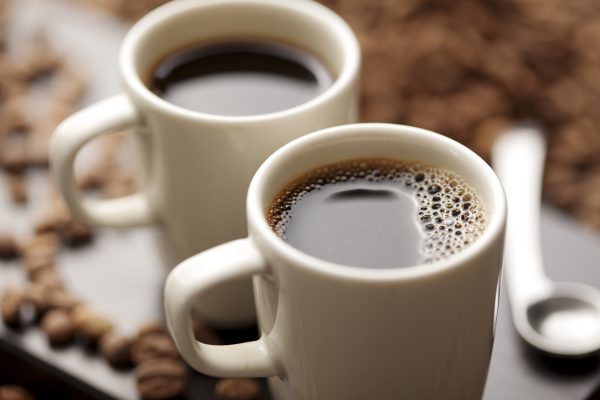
333	332
198	166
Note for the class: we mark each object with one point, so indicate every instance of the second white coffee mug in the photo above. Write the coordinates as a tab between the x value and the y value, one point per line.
197	165
337	332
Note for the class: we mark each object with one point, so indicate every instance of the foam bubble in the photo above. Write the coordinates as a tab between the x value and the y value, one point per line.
450	213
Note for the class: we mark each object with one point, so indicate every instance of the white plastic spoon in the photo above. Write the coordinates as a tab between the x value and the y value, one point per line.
559	318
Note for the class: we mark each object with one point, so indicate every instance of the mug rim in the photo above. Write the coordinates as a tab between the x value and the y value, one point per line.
333	22
258	225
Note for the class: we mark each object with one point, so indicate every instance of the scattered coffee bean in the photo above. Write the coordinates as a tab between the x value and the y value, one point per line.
59	299
90	325
115	349
24	143
79	313
161	378
76	233
150	346
58	327
37	297
237	389
8	246
12	392
11	301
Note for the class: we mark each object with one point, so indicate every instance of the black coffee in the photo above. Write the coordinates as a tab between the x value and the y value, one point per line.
239	78
378	213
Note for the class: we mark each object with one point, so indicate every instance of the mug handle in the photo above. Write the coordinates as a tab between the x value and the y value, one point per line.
201	273
108	115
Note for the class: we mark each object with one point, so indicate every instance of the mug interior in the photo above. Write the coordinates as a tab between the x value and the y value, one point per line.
180	24
348	142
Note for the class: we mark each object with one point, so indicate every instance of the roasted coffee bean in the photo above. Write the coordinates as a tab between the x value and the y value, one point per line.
115	349
161	378
8	246
12	392
59	299
79	313
58	327
11	302
76	233
36	295
150	346
90	325
237	389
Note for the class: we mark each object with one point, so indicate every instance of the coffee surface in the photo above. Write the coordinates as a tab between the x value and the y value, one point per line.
239	78
378	213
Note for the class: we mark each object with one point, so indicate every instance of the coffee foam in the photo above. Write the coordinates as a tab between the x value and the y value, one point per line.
450	213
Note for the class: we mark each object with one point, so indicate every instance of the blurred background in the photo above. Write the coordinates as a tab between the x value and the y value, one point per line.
465	68
468	69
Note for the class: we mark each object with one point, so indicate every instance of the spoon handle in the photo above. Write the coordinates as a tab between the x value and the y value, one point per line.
518	159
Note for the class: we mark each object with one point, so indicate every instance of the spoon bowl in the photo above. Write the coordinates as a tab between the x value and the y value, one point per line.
565	322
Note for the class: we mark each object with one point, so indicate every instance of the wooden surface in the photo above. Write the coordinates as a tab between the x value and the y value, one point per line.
122	273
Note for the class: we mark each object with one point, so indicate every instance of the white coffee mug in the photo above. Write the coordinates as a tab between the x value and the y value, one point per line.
198	166
334	332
